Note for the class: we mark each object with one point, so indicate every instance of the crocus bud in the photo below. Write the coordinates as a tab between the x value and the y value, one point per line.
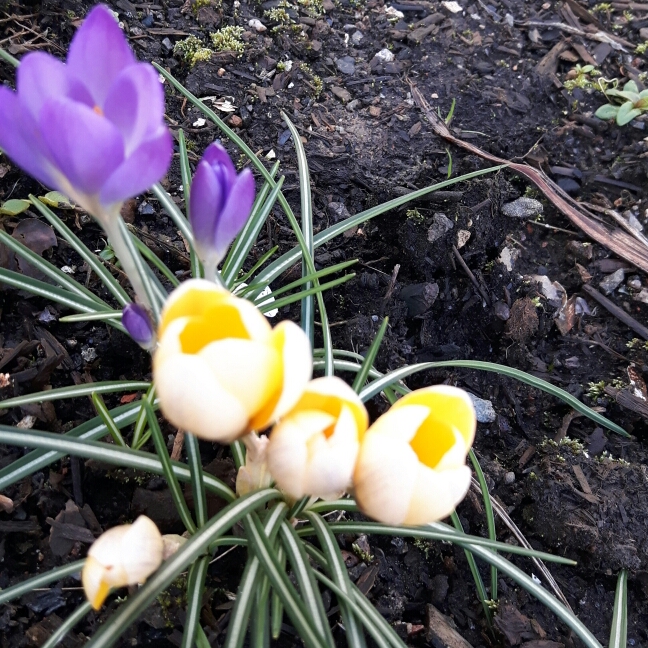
220	369
254	474
123	555
313	449
219	203
138	325
411	467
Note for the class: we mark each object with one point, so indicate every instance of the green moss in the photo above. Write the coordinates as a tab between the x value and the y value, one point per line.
228	39
192	50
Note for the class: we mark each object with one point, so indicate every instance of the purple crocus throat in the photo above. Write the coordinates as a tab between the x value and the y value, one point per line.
92	128
219	204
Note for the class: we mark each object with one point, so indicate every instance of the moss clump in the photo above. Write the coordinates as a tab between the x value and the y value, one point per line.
192	50
228	39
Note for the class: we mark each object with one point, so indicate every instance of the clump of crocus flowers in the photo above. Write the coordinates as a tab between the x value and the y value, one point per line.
93	128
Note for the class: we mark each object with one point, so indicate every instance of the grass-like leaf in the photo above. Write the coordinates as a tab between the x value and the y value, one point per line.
482	595
76	391
155	260
367	364
290	599
243	243
109	421
42	580
60	633
377	385
197	487
195	591
185	175
195	547
139	439
490	516
250	583
94	317
171	479
340	576
287	260
264	306
619	632
93	261
106	453
304	575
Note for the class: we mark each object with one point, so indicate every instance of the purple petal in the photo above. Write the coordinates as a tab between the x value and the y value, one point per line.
22	142
98	53
138	325
136	104
215	155
40	77
143	168
236	211
84	146
204	205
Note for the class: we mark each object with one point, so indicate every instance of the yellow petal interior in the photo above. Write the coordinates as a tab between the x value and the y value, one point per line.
432	440
100	595
446	409
332	404
193	302
219	322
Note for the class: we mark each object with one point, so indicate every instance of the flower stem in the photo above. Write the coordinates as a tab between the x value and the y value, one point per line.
123	251
211	273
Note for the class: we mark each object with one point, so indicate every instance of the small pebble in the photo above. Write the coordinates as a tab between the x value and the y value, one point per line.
523	208
509	478
611	282
89	354
385	56
441	224
346	64
484	410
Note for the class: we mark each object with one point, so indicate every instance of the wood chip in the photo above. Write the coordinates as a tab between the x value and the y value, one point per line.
582	480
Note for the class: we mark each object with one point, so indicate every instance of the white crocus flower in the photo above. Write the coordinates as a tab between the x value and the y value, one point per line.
220	369
313	449
124	555
411	467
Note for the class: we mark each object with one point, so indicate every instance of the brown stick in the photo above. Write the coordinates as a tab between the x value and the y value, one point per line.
619	313
621	243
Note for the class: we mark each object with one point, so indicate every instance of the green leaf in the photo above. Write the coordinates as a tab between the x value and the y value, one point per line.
56	199
302	620
377	385
171	479
109	422
304	575
249	584
195	591
607	111
76	391
14	207
104	452
370	358
93	317
109	633
243	243
90	430
340	576
93	261
619	631
490	516
287	260
631	86
185	175
482	596
42	580
197	487
627	113
60	633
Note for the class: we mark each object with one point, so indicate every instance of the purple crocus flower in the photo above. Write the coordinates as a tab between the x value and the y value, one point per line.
219	204
93	127
138	325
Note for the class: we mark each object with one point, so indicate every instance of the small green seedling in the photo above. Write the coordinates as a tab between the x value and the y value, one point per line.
580	76
635	103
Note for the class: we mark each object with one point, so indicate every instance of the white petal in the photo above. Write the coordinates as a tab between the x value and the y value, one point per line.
245	368
192	399
297	367
384	477
331	466
288	452
188	286
142	547
436	494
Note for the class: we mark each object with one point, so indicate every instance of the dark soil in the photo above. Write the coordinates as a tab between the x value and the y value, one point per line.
572	488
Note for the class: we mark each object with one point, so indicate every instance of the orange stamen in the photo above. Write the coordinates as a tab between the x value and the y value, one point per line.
98	110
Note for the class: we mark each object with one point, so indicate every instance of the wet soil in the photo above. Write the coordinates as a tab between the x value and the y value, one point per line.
344	74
